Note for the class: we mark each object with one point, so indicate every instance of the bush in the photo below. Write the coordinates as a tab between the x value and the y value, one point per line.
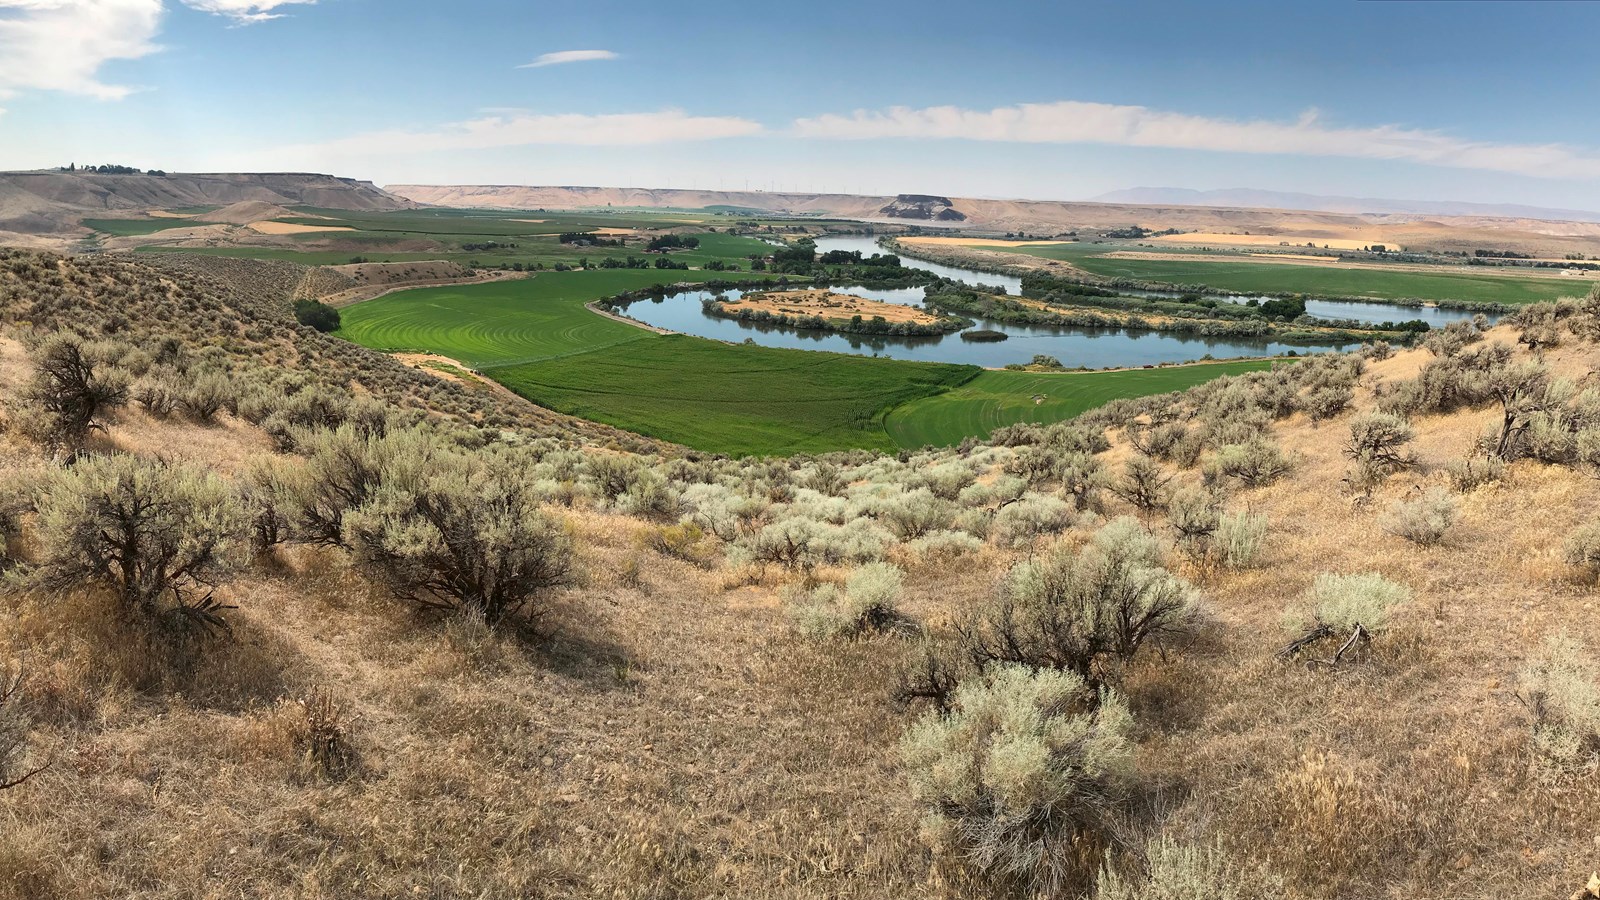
1022	775
1582	550
1239	538
1019	524
1195	515
1326	402
1558	686
1256	463
1377	439
1178	871
74	386
460	533
1474	472
869	603
1143	485
155	534
1088	612
16	721
917	513
1352	607
944	545
343	472
316	314
1423	520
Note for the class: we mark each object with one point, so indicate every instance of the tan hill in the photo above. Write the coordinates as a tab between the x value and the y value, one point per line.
245	212
53	202
1545	238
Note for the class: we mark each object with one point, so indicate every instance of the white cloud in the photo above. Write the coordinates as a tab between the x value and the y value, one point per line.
666	126
568	56
60	45
1074	122
243	12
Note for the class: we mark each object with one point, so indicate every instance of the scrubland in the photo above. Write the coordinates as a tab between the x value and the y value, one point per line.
288	618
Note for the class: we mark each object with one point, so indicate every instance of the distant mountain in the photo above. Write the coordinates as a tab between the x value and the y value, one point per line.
52	201
1254	199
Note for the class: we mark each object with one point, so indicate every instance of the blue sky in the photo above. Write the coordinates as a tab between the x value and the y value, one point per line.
1473	101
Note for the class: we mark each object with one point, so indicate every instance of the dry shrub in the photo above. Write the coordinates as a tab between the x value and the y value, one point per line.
869	602
1425	519
1558	686
1582	550
1239	538
1173	870
1022	777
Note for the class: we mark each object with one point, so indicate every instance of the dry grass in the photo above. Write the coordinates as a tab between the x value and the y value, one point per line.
666	733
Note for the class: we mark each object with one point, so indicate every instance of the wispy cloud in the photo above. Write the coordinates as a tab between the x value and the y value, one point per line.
1075	122
60	45
489	132
244	12
561	57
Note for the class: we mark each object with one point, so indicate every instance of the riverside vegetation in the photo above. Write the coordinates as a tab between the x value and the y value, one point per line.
287	617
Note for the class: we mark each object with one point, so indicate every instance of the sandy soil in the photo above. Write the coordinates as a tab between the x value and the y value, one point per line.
532	221
828	305
625	232
1320	238
977	242
288	228
164	214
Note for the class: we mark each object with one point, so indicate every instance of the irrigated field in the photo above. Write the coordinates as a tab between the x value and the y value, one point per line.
535	336
130	227
1249	277
733	398
994	399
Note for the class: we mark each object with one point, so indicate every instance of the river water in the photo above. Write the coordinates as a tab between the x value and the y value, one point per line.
1094	348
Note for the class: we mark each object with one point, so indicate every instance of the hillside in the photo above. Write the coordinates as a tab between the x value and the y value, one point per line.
1545	237
1244	197
1319	631
53	202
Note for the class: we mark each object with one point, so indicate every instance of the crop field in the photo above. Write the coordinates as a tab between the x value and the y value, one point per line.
1246	277
994	399
502	322
733	399
535	336
132	227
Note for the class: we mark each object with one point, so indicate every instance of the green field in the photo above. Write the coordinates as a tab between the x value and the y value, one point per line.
994	399
1247	277
735	399
131	227
535	336
504	322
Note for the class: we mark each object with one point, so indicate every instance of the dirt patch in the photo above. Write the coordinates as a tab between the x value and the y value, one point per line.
164	214
532	221
828	305
290	228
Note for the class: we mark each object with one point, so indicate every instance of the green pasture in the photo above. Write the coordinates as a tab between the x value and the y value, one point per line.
132	227
994	399
1247	277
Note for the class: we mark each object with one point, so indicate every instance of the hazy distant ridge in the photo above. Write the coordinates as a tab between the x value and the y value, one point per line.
1256	199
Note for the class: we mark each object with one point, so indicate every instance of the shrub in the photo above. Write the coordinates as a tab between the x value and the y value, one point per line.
937	545
456	532
74	386
1558	686
155	534
1472	473
684	541
1195	515
1018	524
1377	439
793	543
916	513
1256	463
316	314
206	396
1179	871
1087	612
1239	537
16	721
868	603
1358	605
1082	477
1143	485
343	471
1423	520
1022	775
1327	402
1582	550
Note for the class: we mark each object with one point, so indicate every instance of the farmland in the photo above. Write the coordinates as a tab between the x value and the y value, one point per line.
535	336
994	399
1247	276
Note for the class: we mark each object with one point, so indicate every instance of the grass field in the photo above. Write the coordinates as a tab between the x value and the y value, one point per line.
502	322
730	398
994	399
1257	277
131	227
535	336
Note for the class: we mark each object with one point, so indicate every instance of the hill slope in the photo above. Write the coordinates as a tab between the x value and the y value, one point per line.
52	202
